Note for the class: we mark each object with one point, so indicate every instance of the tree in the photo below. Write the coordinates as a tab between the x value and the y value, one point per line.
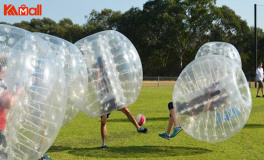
106	19
166	33
228	27
168	29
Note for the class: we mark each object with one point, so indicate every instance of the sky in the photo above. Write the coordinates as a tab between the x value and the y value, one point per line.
77	9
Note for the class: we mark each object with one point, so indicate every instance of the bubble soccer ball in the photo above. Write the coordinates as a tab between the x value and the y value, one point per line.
114	72
141	119
37	89
74	66
9	36
212	98
220	48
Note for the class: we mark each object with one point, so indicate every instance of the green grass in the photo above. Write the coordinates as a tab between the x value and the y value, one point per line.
81	138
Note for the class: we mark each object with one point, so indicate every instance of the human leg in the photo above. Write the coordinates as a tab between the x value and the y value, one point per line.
132	119
170	125
259	86
3	154
258	92
103	130
42	142
177	127
172	121
173	117
166	134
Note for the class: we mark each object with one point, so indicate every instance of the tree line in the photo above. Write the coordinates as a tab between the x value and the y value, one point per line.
166	33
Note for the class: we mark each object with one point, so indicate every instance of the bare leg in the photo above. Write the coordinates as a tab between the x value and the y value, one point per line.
103	128
172	122
170	125
130	117
261	90
258	91
42	140
174	118
177	127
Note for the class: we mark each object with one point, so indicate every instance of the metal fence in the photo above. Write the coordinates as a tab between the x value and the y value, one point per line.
159	81
158	78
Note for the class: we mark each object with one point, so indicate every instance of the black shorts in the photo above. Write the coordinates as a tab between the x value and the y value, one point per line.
170	106
107	115
110	105
260	84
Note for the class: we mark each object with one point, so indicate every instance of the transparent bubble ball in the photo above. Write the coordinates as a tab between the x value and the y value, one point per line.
74	66
114	72
220	48
212	98
9	36
36	86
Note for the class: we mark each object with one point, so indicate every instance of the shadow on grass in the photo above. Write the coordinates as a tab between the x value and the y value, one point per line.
148	119
132	151
254	126
59	148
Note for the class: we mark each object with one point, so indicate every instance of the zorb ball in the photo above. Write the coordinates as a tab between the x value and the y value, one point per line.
74	66
114	72
220	48
37	88
141	119
212	98
9	36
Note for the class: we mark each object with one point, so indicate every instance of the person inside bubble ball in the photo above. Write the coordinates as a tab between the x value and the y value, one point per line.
108	101
217	100
7	100
172	121
210	100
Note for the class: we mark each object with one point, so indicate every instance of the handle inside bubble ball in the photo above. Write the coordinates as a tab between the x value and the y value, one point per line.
215	93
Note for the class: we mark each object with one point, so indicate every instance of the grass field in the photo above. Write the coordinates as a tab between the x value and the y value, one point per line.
81	139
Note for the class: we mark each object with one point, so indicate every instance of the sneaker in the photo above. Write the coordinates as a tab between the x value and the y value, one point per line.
164	135
257	96
142	130
103	146
175	131
45	157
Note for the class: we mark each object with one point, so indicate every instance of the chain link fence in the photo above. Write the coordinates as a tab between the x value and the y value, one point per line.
159	81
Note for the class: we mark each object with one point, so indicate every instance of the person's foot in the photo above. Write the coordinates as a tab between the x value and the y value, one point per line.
164	135
45	157
257	96
142	130
103	146
175	131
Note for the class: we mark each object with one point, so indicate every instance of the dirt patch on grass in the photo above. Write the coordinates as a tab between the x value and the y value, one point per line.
171	84
158	84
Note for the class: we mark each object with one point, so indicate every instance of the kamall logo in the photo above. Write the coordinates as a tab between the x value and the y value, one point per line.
10	10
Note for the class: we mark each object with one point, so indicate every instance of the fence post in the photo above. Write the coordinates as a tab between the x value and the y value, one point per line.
158	82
